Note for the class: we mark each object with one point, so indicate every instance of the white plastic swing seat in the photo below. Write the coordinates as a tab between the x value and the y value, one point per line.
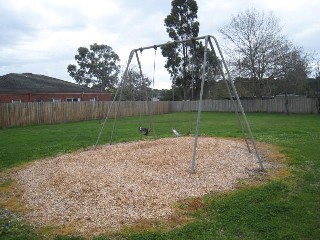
176	132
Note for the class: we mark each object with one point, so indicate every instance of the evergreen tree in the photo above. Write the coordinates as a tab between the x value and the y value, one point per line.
181	24
97	67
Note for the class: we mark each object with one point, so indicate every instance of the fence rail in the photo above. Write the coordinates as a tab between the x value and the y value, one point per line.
24	114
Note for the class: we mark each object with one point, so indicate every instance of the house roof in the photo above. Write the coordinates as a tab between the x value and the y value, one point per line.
34	83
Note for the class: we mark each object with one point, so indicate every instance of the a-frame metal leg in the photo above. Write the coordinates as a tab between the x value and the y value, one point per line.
240	107
119	90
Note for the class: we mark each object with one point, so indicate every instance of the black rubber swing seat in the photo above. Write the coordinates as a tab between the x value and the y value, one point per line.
144	131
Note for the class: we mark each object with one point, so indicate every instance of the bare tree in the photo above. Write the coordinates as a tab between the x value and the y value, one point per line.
314	83
258	50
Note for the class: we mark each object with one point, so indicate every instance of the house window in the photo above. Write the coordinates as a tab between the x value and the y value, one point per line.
73	99
92	99
16	101
55	100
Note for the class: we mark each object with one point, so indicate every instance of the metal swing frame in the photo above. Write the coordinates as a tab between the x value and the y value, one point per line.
226	78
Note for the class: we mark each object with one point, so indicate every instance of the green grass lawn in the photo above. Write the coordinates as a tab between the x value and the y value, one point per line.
283	208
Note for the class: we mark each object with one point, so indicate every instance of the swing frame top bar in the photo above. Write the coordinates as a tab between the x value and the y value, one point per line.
176	42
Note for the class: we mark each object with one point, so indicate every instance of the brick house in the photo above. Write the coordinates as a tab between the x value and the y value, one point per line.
28	87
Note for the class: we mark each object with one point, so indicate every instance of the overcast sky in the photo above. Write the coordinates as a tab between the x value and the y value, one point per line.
42	36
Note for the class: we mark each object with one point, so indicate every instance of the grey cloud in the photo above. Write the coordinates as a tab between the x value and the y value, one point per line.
23	25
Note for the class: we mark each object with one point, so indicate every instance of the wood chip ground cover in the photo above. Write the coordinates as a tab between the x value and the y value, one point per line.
116	185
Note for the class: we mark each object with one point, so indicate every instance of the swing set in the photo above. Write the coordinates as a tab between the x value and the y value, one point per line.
223	69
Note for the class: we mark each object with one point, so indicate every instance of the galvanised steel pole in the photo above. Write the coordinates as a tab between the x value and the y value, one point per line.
240	106
114	99
193	163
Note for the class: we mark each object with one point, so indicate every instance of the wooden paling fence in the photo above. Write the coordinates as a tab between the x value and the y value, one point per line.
276	105
24	114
